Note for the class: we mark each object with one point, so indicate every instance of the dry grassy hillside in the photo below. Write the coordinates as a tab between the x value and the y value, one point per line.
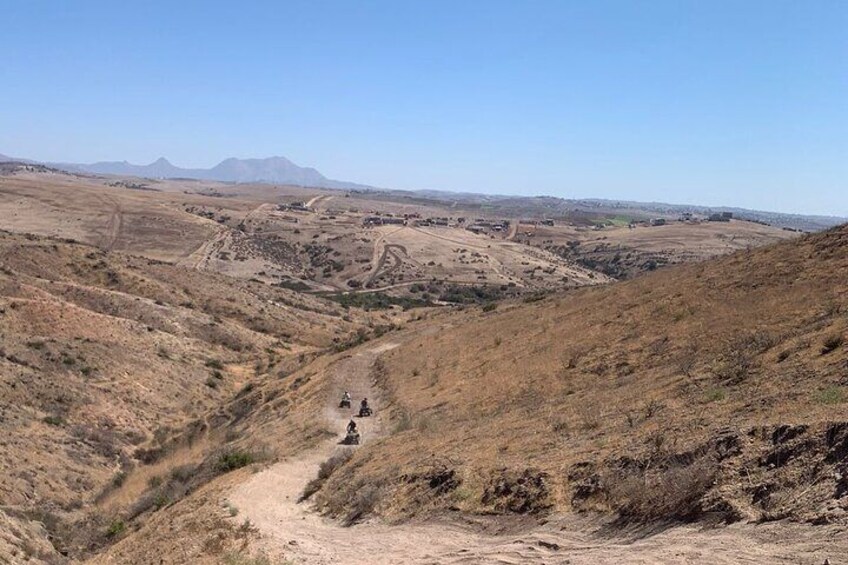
717	389
107	361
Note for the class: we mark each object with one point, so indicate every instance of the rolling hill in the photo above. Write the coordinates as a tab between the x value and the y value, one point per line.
105	359
597	424
709	390
168	381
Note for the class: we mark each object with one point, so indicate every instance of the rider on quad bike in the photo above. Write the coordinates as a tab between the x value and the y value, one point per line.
364	409
352	437
345	402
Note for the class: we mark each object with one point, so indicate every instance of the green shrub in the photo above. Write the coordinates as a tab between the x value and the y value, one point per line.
214	364
831	395
162	500
116	528
53	420
715	395
233	460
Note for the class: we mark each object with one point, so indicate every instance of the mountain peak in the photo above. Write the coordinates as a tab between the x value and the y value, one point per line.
276	169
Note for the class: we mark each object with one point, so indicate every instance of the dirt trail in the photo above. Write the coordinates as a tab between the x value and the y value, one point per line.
320	199
199	258
269	500
113	225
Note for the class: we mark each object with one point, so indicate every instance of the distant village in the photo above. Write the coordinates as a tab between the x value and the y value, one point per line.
493	226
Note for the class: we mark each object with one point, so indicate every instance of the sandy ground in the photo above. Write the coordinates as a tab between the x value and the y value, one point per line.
269	500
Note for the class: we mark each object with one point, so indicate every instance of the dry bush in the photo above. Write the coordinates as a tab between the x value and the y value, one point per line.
736	363
326	469
832	342
590	418
364	501
664	492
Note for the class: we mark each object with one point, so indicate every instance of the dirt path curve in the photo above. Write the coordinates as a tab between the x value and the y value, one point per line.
513	230
269	500
390	250
320	199
200	257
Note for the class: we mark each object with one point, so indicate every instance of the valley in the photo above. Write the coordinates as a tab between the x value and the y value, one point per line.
584	388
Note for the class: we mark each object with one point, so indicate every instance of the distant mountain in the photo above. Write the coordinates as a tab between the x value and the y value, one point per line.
272	169
276	170
7	159
279	170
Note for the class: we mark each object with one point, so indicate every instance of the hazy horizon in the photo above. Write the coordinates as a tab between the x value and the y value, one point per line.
742	105
704	203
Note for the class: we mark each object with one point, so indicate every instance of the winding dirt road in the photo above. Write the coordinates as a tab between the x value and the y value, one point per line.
269	500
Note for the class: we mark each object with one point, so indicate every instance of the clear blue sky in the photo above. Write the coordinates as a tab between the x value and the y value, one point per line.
715	102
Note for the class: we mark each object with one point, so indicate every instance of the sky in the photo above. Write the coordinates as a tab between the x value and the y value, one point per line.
741	103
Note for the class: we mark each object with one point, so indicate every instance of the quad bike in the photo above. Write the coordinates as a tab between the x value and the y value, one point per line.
345	403
365	411
352	438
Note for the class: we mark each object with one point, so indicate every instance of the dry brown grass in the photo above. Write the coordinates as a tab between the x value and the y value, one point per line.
103	369
607	373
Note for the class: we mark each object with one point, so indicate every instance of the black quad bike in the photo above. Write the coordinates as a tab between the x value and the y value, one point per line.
352	438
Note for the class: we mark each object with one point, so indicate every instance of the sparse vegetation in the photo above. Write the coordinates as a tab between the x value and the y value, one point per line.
376	301
239	558
116	528
53	420
831	395
326	469
119	478
236	459
715	395
215	364
618	377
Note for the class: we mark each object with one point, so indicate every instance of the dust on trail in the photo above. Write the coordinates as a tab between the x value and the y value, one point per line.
269	500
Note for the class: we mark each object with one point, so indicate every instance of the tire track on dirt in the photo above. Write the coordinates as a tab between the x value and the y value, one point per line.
114	224
389	250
